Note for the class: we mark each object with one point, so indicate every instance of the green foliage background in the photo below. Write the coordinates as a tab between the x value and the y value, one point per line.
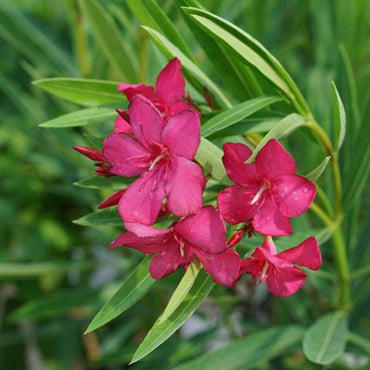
56	275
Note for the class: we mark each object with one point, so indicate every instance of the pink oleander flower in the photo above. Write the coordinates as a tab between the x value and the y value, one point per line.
201	236
267	191
162	156
169	91
282	277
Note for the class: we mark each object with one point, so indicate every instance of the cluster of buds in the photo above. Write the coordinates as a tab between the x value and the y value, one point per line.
156	140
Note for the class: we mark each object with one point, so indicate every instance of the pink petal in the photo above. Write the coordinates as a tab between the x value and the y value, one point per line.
121	125
185	185
145	245
269	220
126	156
130	90
251	266
180	106
305	254
234	161
144	230
145	119
223	267
273	160
234	204
295	194
142	200
285	282
112	200
181	134
169	260
205	230
170	82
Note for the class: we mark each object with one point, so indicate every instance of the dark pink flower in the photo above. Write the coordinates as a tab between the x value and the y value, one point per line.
162	156
201	236
169	92
283	278
266	191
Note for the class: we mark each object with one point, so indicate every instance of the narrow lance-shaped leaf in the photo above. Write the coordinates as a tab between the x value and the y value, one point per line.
99	182
171	51
339	118
235	114
82	91
162	330
285	127
317	172
81	118
325	340
106	217
111	40
134	288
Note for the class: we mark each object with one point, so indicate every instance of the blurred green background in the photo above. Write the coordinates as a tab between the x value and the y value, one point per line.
54	275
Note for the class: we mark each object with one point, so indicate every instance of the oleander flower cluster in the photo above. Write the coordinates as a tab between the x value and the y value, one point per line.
154	142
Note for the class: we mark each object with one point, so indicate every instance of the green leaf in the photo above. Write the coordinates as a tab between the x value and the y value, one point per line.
285	127
234	115
325	340
317	172
339	118
150	14
182	290
162	330
82	91
244	47
249	352
99	182
81	118
360	342
110	39
56	305
171	51
209	156
106	217
134	287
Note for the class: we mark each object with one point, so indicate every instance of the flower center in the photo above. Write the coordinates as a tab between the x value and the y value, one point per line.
265	185
181	244
164	154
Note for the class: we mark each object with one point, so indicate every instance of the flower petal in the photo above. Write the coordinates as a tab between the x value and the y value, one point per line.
144	230
273	160
284	282
223	267
234	204
169	260
145	119
251	266
185	185
126	156
170	82
295	194
234	161
269	220
181	134
205	230
121	125
130	90
178	107
145	245
305	254
142	200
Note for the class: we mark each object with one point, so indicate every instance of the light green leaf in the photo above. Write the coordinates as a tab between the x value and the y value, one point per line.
317	172
244	47
171	51
209	156
110	39
98	182
150	14
285	127
234	115
182	290
82	91
325	340
106	217
81	118
162	330
249	352
133	288
339	118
